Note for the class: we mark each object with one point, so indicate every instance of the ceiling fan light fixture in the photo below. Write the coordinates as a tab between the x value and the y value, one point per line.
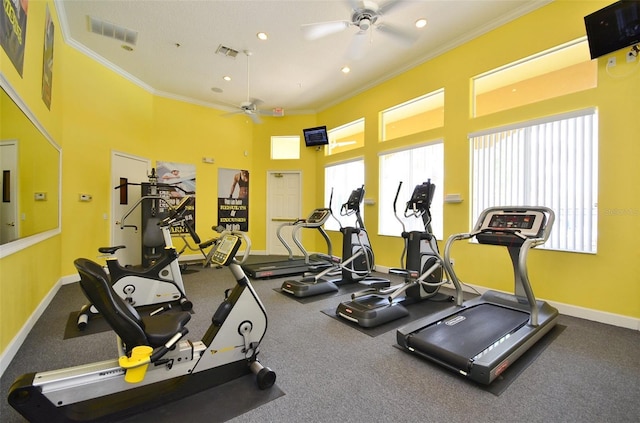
364	24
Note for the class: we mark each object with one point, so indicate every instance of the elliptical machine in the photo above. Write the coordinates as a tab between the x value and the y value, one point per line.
422	273
160	283
155	364
357	257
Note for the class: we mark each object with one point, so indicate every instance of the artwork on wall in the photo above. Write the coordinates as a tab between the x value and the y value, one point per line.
176	180
13	30
47	60
233	199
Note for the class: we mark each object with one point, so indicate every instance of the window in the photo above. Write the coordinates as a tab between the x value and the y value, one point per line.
562	70
285	147
346	137
342	178
552	163
417	115
413	166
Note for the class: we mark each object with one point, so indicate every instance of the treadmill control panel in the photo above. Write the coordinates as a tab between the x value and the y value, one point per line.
505	227
317	217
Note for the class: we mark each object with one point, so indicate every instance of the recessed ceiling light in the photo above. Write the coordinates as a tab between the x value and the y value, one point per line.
216	90
226	78
421	23
345	69
262	36
126	47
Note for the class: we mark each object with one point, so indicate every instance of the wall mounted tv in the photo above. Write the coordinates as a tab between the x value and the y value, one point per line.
615	27
315	137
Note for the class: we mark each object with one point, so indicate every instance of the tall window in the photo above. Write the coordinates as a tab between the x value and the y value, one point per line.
342	178
552	163
413	166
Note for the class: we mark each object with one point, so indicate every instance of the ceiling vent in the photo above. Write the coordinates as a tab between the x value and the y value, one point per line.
226	51
108	29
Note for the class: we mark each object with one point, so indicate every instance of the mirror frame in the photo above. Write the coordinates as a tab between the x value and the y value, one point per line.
22	243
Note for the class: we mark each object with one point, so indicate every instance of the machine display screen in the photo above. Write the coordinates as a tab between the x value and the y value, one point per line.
512	221
225	250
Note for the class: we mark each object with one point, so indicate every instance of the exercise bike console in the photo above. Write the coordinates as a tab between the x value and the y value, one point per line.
226	249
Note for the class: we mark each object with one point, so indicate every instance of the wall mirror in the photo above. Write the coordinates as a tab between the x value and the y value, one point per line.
29	174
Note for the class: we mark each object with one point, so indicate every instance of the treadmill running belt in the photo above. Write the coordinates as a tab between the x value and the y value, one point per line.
460	337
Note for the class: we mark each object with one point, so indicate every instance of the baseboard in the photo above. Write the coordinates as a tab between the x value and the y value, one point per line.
13	347
566	309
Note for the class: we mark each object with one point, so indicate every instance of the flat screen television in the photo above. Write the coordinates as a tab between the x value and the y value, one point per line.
314	137
615	27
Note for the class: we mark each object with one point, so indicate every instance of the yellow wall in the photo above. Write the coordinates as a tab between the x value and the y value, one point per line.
95	111
605	281
28	275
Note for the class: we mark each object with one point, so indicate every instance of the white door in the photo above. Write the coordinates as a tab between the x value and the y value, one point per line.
9	183
283	206
133	170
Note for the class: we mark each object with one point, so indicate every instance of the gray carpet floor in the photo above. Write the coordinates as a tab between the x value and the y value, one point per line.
331	372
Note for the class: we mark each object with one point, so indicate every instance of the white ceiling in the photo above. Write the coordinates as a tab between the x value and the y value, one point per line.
174	55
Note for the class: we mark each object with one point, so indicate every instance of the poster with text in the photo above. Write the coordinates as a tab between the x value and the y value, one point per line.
13	30
175	182
47	60
233	199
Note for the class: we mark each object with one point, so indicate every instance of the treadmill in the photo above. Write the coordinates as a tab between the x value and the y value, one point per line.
313	263
482	337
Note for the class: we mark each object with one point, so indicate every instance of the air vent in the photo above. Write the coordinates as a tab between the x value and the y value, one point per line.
108	29
226	51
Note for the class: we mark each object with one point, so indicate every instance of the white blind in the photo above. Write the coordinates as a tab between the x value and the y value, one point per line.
411	166
551	163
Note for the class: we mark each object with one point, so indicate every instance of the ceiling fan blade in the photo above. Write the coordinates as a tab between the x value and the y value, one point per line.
358	45
355	4
405	38
315	31
255	102
389	5
254	117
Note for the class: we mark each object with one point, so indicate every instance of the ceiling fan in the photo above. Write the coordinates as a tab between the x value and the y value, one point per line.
366	15
250	107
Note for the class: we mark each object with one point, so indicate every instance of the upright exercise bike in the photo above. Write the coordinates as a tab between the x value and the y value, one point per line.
357	257
155	365
383	302
160	283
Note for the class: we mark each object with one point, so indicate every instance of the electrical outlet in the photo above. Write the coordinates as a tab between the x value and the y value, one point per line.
611	62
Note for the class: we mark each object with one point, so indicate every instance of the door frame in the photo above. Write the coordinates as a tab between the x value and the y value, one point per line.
14	187
270	201
115	196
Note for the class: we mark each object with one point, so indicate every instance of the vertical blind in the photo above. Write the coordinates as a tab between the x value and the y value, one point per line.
551	162
411	166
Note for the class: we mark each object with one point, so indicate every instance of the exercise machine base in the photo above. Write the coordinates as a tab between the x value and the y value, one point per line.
302	289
